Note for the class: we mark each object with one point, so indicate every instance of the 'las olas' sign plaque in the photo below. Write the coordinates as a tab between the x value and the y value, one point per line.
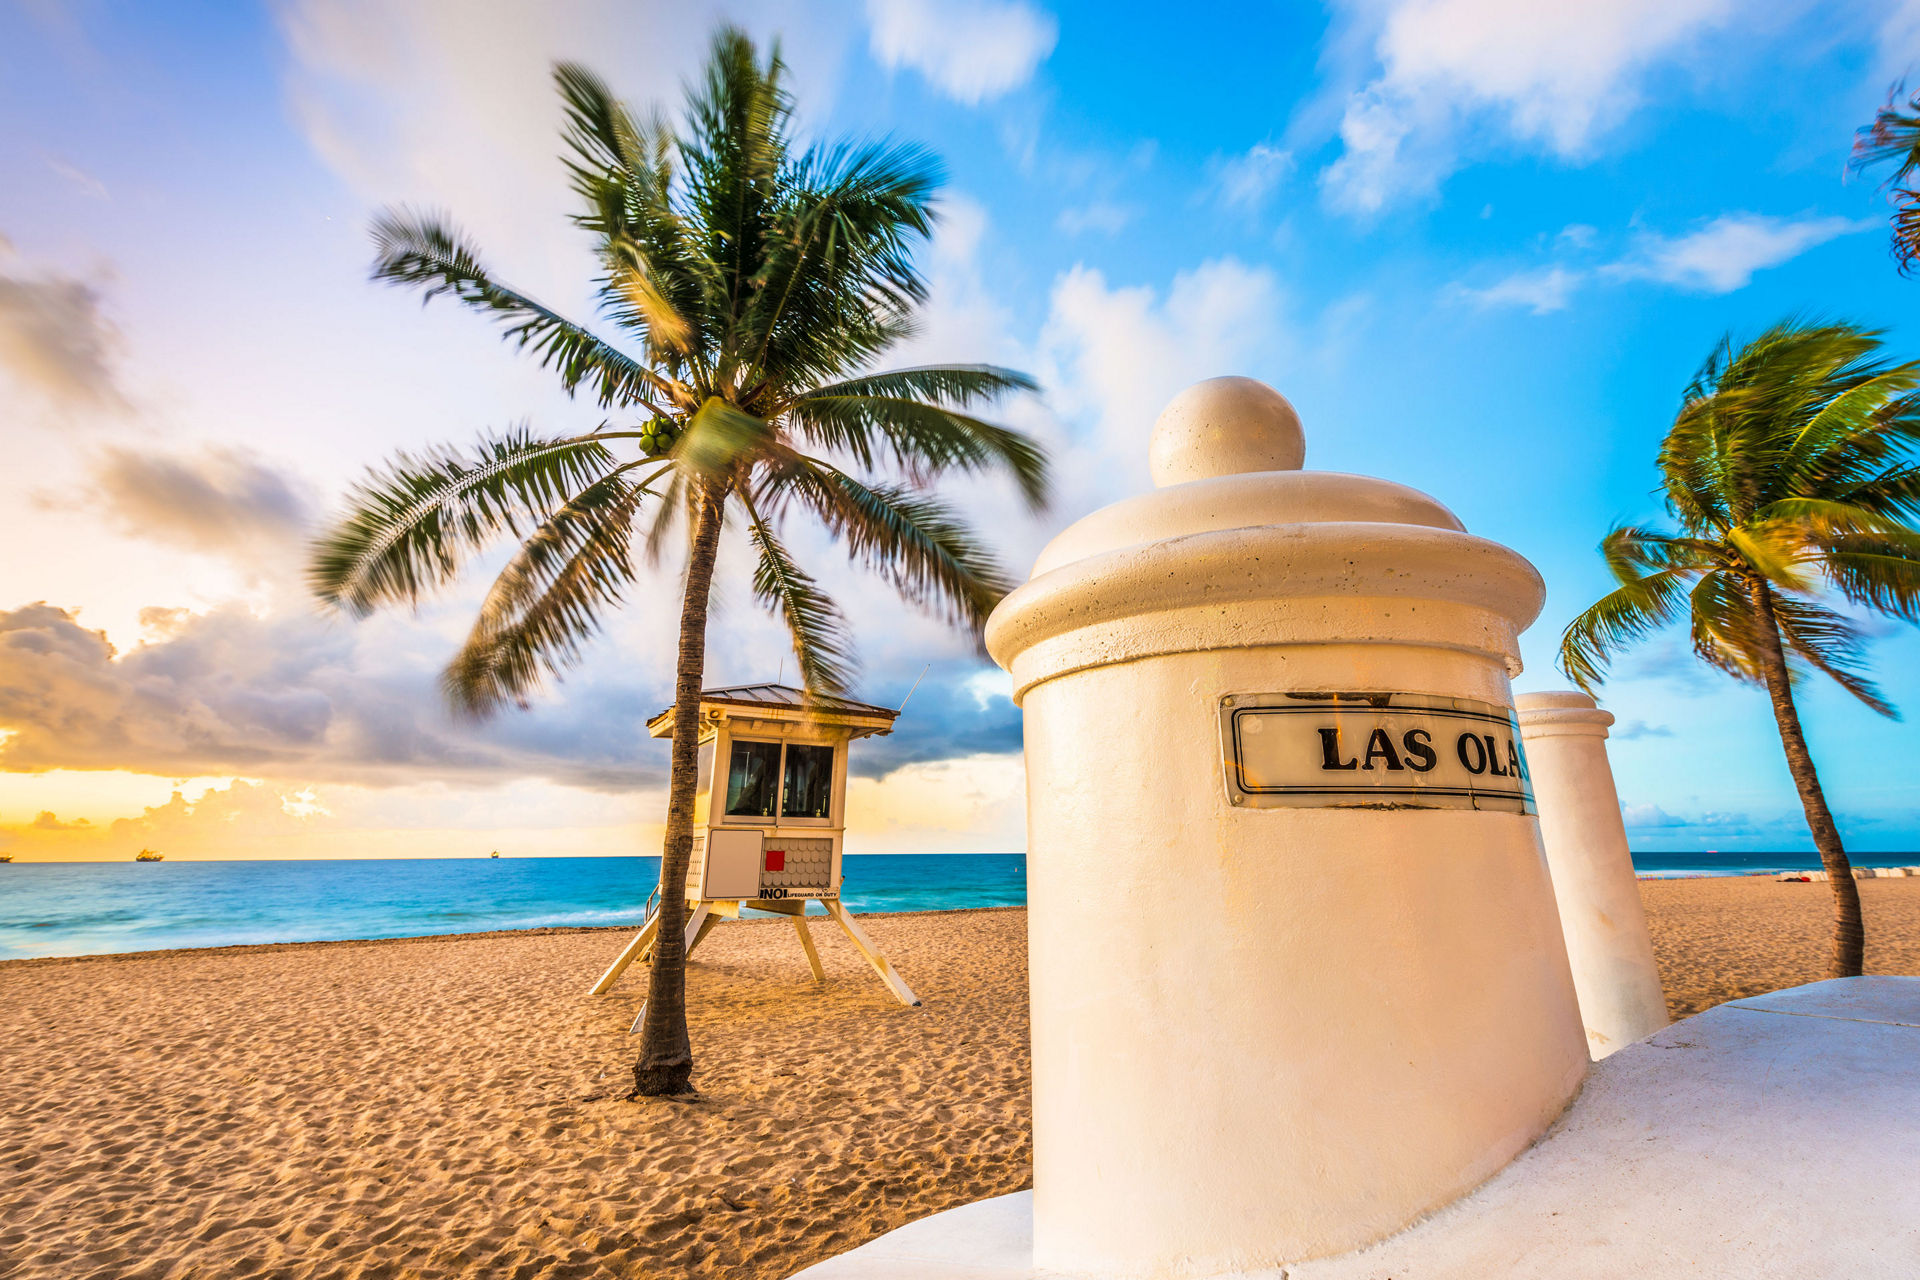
1372	750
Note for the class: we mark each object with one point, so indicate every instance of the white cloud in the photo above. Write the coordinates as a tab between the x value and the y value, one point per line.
1542	291
80	178
1649	815
1723	255
223	501
1718	258
55	339
969	51
1652	816
1112	356
1103	216
1551	75
1245	181
971	803
1899	39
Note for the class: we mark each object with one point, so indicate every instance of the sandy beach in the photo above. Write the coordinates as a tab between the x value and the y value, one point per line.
454	1106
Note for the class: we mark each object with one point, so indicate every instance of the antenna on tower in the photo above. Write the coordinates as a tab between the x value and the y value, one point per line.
916	684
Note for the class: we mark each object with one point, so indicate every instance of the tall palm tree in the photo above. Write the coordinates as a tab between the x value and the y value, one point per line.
756	283
1895	135
1788	470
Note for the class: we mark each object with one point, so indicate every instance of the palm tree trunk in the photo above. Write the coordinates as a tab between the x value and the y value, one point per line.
1849	932
665	1067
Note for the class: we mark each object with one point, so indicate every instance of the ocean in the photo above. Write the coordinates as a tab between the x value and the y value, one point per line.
93	908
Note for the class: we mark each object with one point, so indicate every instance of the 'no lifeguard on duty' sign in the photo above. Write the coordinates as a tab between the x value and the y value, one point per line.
1372	750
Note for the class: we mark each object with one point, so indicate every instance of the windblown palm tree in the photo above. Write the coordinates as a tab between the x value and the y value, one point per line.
1789	472
756	282
1895	135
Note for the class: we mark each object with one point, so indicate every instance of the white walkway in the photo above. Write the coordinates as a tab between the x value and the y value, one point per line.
1777	1137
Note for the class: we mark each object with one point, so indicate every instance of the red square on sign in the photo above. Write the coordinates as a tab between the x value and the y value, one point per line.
776	859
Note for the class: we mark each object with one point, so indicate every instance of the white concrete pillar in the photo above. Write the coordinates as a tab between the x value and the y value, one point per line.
1601	912
1297	975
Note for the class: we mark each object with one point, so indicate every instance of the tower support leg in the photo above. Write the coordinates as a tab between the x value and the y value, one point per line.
806	944
642	943
865	945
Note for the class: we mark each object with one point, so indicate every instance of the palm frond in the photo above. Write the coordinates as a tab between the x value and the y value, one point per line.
733	150
955	384
923	439
549	599
822	644
1828	517
673	513
1894	135
1877	573
1832	645
916	542
1630	552
1632	611
1905	245
1856	416
421	249
1723	627
837	285
410	527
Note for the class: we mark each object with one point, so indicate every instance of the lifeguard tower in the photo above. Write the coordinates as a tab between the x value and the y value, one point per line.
768	826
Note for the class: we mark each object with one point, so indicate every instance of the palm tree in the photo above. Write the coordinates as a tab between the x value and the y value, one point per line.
756	284
1895	135
1788	471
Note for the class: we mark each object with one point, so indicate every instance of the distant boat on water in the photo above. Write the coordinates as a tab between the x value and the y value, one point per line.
6	857
148	855
494	854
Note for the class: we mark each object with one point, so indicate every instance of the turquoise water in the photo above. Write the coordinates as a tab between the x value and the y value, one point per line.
91	908
1746	863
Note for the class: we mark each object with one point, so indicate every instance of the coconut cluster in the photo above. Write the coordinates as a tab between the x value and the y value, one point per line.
658	436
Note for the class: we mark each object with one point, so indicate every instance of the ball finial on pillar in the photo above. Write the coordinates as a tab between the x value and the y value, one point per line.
1222	427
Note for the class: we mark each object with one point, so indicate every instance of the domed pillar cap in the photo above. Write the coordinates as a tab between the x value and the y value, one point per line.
1223	427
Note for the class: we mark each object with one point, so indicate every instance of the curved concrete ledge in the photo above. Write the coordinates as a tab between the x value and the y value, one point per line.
1561	713
1775	1138
1382	573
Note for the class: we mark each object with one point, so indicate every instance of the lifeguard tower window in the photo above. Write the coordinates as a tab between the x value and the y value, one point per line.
809	782
753	780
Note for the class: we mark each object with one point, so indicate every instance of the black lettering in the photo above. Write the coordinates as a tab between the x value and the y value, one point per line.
1330	751
1479	762
1420	757
1493	759
1515	765
1380	747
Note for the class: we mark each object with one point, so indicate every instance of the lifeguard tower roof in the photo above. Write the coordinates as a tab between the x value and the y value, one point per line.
864	717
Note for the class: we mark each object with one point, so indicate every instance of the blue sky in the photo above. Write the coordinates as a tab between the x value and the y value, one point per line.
1481	244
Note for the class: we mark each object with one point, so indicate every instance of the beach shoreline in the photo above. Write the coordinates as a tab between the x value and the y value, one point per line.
536	931
455	1105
